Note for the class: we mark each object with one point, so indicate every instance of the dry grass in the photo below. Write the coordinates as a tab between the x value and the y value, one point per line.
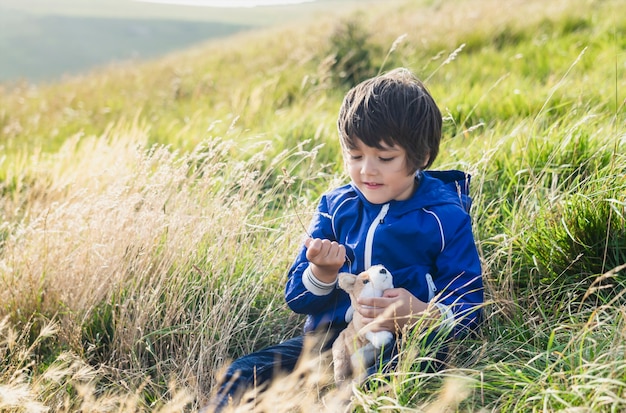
144	256
132	272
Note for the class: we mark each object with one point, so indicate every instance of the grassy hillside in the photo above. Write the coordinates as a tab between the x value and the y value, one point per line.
145	9
44	41
150	210
48	48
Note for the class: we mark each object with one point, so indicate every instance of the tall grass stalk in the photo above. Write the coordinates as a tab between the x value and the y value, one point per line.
150	213
142	254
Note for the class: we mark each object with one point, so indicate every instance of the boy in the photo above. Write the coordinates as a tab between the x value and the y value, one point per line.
393	213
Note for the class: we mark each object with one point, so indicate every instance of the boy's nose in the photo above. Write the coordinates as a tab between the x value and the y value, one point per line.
368	167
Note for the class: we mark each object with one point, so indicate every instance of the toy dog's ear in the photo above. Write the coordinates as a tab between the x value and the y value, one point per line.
346	281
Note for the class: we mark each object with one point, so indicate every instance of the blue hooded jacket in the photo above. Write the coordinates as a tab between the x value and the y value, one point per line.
426	242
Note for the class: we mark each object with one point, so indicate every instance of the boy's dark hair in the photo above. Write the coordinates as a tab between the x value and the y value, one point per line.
394	108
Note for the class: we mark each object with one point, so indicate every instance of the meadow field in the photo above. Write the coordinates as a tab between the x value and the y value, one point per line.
150	211
44	41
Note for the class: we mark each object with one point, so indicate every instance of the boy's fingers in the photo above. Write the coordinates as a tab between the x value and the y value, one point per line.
376	302
391	292
370	312
341	251
331	249
326	246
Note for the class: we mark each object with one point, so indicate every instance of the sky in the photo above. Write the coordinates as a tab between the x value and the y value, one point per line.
228	3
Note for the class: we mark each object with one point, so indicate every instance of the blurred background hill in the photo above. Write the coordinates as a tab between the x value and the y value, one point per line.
43	40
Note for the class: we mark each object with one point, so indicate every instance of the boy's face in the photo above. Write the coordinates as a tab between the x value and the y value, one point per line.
380	174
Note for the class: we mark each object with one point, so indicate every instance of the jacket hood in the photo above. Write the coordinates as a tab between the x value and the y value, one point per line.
434	188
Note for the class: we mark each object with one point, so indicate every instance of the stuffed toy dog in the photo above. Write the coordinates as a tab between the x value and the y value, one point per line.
354	353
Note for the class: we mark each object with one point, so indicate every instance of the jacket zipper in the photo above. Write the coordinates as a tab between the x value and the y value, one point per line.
432	289
369	241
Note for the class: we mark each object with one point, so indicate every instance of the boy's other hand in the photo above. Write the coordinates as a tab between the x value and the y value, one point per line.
393	311
326	258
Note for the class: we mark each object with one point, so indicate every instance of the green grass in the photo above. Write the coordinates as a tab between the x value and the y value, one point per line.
150	211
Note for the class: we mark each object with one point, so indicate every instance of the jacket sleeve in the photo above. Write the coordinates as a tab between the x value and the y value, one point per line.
458	277
304	293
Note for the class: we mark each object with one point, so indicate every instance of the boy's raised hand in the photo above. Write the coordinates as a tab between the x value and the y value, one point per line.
326	258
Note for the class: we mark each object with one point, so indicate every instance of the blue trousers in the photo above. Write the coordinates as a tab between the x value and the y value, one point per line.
258	368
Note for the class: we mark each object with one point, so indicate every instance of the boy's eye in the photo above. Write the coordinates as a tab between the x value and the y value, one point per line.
355	157
386	159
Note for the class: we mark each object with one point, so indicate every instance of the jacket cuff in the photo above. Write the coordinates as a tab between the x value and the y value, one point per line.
315	286
447	316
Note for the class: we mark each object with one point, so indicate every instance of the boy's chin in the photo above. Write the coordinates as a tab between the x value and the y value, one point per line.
377	200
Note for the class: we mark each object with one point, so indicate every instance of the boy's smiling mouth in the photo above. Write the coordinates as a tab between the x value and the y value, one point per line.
372	185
